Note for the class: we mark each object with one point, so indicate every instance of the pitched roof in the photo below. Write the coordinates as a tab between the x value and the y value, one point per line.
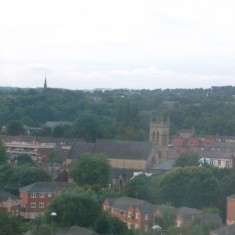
80	147
123	203
46	187
210	217
4	195
215	154
139	150
167	165
187	213
75	230
226	230
231	196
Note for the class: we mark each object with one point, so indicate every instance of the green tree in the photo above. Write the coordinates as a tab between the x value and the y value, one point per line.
22	176
75	207
93	170
24	159
202	190
192	186
139	187
3	153
15	127
11	225
56	156
120	227
187	159
166	220
87	127
173	185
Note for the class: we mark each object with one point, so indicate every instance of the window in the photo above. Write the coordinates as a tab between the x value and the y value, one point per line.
227	163
49	194
136	226
33	195
129	214
122	212
146	217
137	215
42	195
33	204
219	162
41	204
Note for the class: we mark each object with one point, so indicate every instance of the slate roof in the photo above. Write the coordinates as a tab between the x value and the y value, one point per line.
224	145
188	214
75	230
37	139
214	154
5	195
137	150
124	203
226	230
231	196
210	217
166	166
19	138
79	148
46	187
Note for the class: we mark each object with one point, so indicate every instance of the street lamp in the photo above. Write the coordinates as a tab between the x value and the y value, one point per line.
53	214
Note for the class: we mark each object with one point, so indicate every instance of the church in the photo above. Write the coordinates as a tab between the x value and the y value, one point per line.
127	157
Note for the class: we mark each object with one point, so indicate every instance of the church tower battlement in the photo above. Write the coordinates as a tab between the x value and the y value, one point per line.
159	133
159	136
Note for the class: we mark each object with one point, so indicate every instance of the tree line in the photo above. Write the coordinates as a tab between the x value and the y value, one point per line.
118	114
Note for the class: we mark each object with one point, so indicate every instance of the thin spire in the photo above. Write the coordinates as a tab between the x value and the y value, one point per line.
45	83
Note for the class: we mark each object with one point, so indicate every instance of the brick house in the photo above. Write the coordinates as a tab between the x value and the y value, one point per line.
140	215
9	202
186	215
230	214
137	214
226	230
35	197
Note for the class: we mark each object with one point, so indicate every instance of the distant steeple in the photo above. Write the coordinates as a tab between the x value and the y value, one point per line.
45	83
45	87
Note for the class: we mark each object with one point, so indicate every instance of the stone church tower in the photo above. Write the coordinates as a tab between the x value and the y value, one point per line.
159	136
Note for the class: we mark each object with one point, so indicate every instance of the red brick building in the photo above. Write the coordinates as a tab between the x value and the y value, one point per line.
140	215
137	214
230	215
34	198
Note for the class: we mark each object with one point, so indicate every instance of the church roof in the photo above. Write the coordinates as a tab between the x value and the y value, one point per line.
136	150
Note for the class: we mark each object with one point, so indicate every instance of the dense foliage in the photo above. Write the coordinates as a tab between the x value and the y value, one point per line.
93	170
11	225
196	187
19	172
118	114
82	207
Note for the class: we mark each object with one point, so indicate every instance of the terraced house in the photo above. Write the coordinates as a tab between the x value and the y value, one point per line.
34	198
140	215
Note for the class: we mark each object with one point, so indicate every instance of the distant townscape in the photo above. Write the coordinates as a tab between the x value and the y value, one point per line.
161	161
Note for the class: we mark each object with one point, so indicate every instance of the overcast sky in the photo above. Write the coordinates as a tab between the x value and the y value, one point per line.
139	44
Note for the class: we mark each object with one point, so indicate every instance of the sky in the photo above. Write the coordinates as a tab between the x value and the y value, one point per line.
135	44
